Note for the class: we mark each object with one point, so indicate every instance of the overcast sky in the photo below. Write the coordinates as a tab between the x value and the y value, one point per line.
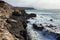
39	4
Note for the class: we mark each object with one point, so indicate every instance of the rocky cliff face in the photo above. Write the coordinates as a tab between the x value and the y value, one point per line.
12	23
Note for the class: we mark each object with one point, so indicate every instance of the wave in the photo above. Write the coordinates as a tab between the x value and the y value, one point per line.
49	13
38	35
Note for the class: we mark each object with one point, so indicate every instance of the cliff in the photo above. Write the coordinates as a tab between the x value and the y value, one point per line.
12	22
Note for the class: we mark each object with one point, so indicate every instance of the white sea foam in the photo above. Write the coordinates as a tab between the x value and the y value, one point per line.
38	35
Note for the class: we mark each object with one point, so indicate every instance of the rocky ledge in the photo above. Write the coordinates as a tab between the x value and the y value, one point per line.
12	22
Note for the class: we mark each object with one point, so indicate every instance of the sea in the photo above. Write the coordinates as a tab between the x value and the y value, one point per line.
43	16
49	13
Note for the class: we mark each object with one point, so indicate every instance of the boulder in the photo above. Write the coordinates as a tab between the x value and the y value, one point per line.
38	28
51	19
31	15
27	21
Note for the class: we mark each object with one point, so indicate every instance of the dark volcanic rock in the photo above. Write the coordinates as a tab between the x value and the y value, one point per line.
58	38
27	21
38	28
31	15
24	24
18	27
24	34
24	13
15	13
51	19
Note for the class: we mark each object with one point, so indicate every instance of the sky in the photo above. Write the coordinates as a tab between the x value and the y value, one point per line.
37	4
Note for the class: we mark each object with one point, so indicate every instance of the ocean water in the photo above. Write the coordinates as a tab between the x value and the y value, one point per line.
43	16
49	13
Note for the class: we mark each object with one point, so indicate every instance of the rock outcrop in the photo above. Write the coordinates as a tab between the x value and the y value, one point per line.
12	23
30	15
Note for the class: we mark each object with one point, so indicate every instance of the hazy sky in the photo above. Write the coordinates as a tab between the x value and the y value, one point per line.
39	4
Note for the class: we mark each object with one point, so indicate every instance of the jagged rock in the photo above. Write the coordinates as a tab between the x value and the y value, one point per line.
27	21
17	27
31	15
12	23
38	28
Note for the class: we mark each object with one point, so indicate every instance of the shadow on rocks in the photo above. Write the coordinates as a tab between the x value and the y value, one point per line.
31	15
18	29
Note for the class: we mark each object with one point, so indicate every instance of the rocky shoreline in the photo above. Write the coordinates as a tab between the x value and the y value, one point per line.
13	22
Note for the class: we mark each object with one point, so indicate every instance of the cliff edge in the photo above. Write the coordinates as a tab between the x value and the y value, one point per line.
12	22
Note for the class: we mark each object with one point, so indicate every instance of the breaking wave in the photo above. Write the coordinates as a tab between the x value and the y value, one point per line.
39	35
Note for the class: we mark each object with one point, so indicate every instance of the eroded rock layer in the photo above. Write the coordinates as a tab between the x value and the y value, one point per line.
12	23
